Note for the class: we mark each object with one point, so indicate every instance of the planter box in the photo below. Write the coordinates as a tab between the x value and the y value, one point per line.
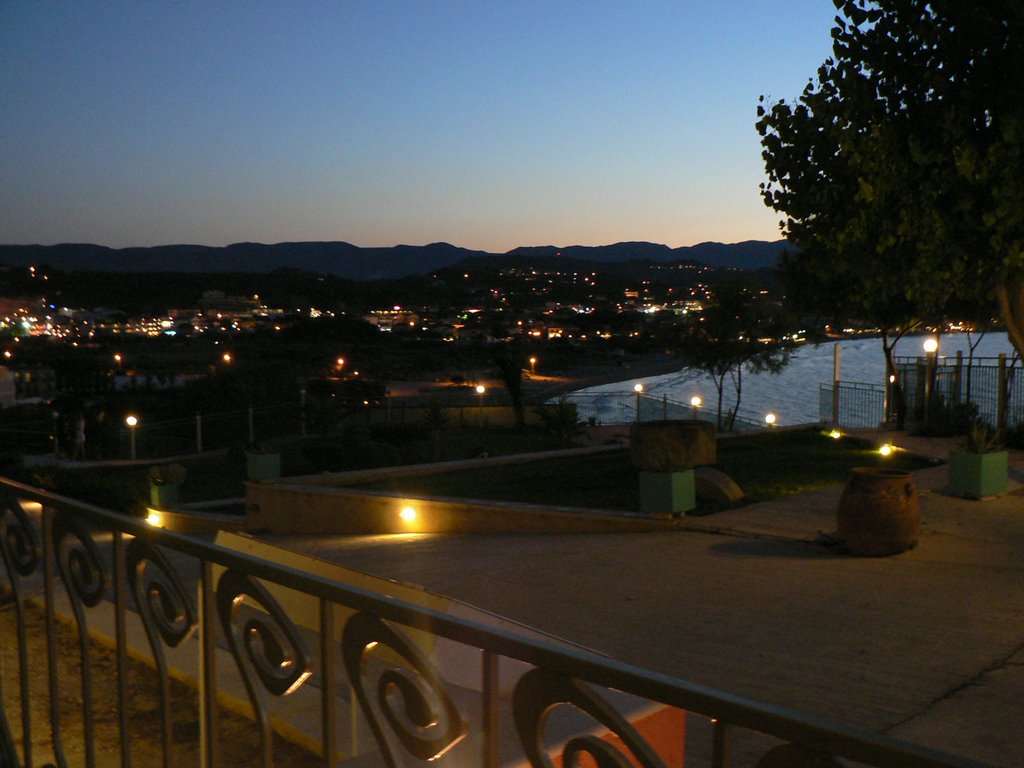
163	496
262	466
673	445
975	475
667	493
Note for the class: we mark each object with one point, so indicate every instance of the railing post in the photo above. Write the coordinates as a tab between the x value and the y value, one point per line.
1001	394
121	646
958	376
719	744
209	726
490	710
835	384
328	684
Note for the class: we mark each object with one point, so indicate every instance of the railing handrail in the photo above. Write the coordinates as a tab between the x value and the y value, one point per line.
811	732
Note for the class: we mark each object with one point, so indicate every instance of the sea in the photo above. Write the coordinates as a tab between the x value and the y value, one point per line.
793	394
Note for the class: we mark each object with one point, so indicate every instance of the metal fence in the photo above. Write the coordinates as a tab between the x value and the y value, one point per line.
377	678
629	407
860	405
992	389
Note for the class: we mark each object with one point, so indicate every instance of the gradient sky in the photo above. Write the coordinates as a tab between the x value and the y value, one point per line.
488	125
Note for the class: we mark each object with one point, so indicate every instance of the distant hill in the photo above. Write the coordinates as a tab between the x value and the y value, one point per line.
356	263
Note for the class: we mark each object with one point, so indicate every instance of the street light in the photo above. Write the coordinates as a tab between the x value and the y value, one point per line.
695	401
480	389
639	389
132	422
770	419
931	347
533	365
226	357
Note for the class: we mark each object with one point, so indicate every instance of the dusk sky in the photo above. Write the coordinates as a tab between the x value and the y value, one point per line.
487	125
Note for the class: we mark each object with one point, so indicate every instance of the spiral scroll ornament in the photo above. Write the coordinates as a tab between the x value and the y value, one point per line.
79	562
410	695
539	691
17	540
267	644
164	604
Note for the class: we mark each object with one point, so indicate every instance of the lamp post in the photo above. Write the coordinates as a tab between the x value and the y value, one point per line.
695	401
639	389
931	348
480	390
533	365
769	419
132	422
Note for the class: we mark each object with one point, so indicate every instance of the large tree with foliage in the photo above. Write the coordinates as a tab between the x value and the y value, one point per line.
738	331
900	168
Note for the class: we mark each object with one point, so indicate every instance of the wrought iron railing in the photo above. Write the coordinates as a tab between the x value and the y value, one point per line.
218	607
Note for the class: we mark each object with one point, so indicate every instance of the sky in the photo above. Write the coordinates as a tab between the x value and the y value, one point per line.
488	125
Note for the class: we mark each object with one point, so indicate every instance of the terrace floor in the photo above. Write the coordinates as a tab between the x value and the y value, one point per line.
927	645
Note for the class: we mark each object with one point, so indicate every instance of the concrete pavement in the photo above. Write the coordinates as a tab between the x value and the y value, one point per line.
927	645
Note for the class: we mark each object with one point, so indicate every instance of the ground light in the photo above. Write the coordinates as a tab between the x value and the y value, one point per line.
154	518
408	514
835	434
885	449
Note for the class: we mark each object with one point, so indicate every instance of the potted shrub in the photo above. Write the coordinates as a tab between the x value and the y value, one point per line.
262	463
982	467
164	482
666	452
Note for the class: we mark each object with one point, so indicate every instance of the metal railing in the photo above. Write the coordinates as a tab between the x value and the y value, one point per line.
991	388
629	407
860	405
223	610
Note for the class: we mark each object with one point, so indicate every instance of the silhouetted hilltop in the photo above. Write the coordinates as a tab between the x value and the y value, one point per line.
357	263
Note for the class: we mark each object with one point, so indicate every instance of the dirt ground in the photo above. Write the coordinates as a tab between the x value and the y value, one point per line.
239	738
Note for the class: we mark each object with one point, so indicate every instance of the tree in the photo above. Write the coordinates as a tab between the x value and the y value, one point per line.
509	360
900	168
738	331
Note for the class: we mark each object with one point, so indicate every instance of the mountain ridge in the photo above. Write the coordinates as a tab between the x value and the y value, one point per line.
363	263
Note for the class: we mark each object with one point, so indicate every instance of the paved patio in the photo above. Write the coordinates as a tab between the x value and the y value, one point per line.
927	645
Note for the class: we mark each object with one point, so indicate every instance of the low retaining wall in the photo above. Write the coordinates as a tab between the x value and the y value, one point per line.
281	508
327	504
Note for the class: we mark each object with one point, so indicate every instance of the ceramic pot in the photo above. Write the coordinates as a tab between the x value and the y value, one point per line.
879	512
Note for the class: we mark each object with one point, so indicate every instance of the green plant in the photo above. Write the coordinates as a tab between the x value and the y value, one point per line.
981	438
560	419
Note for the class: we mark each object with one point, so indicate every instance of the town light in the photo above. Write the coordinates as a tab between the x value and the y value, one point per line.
340	362
226	357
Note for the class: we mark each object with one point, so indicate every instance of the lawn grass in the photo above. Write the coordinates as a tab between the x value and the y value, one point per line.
766	465
221	475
